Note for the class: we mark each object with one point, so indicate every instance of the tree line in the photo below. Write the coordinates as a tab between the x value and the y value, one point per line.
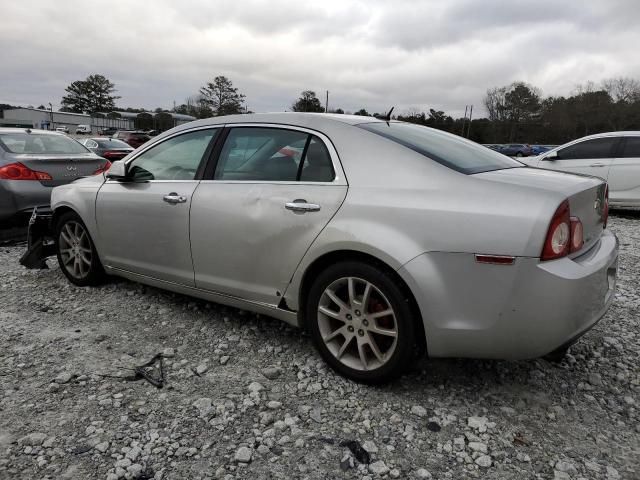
515	113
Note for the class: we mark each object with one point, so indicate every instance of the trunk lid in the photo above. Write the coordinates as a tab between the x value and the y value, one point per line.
62	168
586	194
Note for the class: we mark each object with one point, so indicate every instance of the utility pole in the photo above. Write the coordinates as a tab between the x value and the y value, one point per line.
464	120
469	127
326	105
51	110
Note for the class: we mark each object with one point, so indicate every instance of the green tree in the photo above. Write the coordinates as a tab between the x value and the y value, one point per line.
308	102
362	112
222	97
95	94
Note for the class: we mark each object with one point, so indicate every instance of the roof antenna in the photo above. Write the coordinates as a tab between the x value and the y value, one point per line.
387	117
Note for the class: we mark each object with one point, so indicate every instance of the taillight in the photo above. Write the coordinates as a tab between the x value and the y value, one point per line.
103	168
114	154
577	234
557	243
18	171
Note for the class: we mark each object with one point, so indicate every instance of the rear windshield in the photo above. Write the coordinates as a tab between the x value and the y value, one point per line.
112	143
35	143
449	150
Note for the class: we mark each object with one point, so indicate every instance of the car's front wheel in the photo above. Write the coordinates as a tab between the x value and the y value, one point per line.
361	322
76	252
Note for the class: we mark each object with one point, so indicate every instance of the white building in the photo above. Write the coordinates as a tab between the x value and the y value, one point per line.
50	120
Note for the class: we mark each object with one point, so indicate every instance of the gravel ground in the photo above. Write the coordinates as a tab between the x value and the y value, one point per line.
247	396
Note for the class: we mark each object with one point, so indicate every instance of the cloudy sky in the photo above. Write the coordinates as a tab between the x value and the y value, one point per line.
374	54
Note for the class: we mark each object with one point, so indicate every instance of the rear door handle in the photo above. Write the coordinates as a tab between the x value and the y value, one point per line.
301	206
174	198
598	165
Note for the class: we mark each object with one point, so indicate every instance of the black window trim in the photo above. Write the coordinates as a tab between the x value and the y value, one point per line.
623	145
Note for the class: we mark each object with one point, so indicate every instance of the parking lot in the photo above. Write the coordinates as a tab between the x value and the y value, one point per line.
248	397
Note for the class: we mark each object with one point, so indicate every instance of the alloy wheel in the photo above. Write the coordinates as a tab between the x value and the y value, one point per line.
75	249
357	323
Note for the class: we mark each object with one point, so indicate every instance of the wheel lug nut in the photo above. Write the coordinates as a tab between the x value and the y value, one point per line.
357	313
365	323
348	316
350	328
361	332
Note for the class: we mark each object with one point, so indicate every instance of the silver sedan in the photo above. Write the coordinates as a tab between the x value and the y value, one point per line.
383	239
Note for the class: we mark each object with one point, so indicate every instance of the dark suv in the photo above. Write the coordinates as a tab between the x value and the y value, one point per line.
133	138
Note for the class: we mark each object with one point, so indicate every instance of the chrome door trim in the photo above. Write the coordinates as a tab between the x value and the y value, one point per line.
287	316
340	177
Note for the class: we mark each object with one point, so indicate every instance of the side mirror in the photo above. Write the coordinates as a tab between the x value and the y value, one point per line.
117	171
551	156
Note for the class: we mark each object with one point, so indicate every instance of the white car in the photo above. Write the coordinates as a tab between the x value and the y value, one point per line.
62	129
612	156
82	129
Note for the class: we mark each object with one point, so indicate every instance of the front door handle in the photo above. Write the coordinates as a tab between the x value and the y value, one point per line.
301	205
598	165
174	198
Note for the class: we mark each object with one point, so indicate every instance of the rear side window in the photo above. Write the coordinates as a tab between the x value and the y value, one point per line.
36	143
447	149
631	147
275	155
595	148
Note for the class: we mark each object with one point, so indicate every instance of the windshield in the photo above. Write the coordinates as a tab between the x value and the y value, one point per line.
113	143
35	143
449	150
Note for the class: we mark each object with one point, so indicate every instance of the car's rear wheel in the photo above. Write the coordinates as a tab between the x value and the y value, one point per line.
76	252
361	322
519	154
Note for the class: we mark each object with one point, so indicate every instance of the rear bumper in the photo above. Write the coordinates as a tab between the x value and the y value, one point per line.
19	197
525	310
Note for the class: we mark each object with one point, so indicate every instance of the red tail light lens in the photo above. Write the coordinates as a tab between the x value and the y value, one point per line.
577	234
103	168
18	171
557	243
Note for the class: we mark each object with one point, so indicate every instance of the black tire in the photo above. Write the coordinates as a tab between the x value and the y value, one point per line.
401	355
91	273
519	154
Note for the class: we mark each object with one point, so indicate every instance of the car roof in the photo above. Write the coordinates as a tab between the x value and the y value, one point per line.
289	118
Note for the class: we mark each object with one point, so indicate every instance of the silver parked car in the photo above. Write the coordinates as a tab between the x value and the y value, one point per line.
612	156
32	162
381	238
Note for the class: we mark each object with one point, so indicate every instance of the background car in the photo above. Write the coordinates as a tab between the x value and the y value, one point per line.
32	162
63	129
109	131
538	149
132	137
83	129
515	150
381	238
613	156
109	148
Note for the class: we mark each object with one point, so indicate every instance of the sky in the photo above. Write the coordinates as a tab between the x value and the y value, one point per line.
411	54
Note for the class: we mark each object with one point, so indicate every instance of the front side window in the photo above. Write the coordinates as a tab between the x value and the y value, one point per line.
37	143
176	158
595	148
450	150
273	154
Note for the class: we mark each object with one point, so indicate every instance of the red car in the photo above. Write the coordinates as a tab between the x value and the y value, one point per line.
133	138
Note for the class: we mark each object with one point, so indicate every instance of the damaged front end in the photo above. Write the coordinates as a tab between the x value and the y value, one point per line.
40	241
